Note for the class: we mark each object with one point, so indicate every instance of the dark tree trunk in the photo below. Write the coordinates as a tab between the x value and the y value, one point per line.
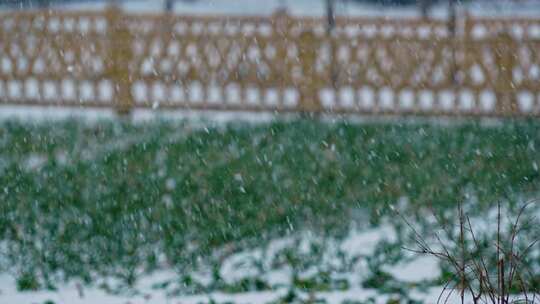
452	17
425	5
169	4
331	14
43	3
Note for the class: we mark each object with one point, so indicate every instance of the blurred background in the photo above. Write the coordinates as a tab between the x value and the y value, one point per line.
266	160
406	8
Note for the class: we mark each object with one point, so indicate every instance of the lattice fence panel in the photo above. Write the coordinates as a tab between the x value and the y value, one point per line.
279	63
53	58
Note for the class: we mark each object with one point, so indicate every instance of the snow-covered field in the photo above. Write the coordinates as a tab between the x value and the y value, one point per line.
343	261
346	259
241	266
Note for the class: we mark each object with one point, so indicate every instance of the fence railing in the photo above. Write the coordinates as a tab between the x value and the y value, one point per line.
478	66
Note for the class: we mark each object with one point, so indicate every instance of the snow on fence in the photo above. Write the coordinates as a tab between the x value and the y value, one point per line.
487	67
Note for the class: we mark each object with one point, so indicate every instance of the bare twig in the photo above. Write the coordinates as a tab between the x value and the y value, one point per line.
473	270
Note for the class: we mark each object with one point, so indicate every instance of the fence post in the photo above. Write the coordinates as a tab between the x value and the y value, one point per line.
308	87
452	31
505	92
119	56
281	24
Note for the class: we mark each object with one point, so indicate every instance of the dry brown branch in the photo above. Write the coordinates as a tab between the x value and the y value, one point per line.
476	273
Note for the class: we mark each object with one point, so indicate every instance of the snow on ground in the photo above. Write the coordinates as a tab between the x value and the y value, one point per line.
36	114
363	243
235	268
71	295
425	267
